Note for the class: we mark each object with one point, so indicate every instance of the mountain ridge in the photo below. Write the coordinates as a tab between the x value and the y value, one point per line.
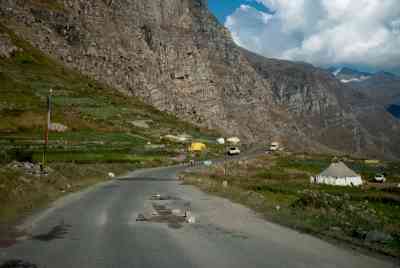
383	87
177	57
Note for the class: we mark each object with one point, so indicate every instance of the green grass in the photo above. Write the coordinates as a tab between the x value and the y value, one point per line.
345	213
305	165
96	157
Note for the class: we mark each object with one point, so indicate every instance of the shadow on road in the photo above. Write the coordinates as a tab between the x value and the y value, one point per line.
58	232
18	264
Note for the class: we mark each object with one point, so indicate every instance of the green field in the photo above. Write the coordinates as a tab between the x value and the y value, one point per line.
279	187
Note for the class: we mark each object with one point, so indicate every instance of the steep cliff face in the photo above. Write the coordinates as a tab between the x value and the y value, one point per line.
174	55
327	110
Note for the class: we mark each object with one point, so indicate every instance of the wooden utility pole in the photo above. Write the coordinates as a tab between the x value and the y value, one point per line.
47	129
226	161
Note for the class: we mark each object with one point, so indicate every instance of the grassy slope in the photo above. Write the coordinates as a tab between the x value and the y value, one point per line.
343	213
99	118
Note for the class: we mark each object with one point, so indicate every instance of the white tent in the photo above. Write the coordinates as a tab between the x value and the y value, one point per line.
233	140
338	174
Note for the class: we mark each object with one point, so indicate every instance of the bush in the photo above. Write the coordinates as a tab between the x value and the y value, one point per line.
20	155
4	156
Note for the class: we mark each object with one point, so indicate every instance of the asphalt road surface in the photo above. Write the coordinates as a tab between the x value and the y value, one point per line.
137	221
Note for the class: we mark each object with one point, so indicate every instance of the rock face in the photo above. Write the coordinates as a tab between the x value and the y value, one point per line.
7	48
328	111
174	55
383	87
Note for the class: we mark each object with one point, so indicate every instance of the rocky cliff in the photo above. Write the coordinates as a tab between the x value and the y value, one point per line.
174	55
327	110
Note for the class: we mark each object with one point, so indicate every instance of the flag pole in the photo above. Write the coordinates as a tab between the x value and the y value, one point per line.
47	129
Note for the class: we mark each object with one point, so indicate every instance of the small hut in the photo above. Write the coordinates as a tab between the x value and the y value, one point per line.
338	174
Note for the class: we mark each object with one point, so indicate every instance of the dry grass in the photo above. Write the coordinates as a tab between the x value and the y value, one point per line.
21	193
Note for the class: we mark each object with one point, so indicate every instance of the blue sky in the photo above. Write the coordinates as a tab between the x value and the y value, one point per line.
364	34
223	8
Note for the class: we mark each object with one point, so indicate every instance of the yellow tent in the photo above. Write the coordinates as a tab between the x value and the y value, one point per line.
197	147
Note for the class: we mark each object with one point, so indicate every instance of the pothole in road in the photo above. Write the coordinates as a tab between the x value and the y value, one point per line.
168	209
160	197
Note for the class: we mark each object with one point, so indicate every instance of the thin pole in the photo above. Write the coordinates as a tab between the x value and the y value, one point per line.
226	159
47	128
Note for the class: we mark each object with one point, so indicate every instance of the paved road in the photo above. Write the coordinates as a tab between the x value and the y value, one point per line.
99	228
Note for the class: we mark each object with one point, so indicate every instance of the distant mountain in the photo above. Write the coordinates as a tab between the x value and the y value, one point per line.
347	75
383	87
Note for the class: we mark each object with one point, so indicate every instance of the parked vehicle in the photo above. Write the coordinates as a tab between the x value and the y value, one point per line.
274	146
233	151
380	178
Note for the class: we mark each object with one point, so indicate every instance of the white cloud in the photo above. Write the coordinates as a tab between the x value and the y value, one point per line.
323	32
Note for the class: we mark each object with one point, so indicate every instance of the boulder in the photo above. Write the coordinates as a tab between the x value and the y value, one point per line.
141	123
57	127
378	236
7	48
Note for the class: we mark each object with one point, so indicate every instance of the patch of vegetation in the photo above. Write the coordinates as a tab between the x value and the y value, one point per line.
98	117
98	157
279	187
305	165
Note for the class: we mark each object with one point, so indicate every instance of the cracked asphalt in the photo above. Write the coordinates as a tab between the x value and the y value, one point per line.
99	228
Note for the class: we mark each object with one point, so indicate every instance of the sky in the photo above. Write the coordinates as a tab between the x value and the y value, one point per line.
362	34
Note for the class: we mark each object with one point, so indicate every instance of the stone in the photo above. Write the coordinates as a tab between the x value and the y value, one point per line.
141	123
28	165
225	184
7	48
191	219
176	212
336	229
141	217
378	236
58	127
